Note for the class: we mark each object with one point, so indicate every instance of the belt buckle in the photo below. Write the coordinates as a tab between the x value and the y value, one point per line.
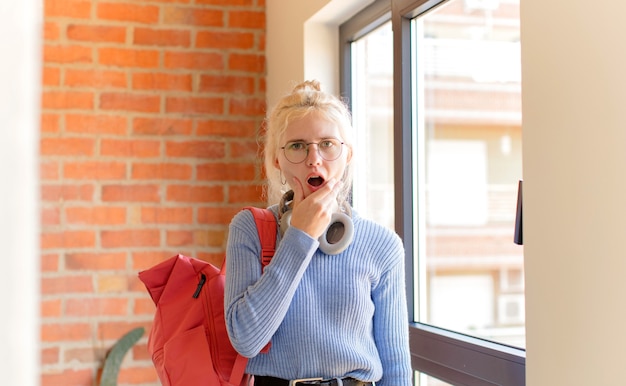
295	382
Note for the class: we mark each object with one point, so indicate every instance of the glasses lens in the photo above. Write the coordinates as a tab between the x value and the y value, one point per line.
328	149
296	152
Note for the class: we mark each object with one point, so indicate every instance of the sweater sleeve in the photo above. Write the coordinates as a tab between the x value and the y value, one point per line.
255	304
391	328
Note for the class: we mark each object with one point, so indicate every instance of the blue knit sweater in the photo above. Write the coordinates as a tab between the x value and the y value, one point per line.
326	315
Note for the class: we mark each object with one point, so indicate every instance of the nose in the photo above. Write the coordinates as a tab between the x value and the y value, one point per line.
313	156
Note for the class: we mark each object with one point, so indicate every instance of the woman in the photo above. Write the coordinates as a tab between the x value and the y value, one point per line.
332	300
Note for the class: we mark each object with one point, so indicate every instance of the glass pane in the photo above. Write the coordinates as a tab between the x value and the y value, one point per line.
422	379
372	113
467	125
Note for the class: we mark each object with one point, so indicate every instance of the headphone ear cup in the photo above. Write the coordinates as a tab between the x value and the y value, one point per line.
338	235
285	222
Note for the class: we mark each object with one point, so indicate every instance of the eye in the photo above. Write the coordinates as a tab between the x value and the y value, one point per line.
296	146
327	144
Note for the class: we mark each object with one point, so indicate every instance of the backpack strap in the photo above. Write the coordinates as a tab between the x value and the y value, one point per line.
266	226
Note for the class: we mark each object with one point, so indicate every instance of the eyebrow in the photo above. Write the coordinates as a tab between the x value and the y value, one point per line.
315	140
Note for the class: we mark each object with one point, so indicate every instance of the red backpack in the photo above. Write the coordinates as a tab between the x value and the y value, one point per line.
188	342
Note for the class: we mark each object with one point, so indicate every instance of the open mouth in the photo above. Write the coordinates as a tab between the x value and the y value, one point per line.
315	181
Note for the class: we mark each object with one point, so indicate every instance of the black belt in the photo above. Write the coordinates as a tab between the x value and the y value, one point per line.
272	381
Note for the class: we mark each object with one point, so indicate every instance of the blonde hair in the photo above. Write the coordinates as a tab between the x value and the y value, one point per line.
304	99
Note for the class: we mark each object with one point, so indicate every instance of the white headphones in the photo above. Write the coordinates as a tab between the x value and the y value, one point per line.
338	234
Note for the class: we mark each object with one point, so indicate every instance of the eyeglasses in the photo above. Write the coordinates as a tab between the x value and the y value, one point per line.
297	151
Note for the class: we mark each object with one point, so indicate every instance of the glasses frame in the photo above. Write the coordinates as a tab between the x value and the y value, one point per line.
317	145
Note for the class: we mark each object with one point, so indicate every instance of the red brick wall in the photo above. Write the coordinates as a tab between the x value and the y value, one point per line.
150	113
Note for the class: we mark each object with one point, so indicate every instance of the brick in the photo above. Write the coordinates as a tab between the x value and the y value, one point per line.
63	285
50	216
195	149
246	19
113	284
217	259
95	124
161	171
51	76
123	57
217	215
65	332
94	170
225	40
75	9
71	377
244	3
129	148
50	123
197	194
228	128
65	192
67	100
115	330
130	193
226	172
128	12
227	84
50	356
95	261
161	37
161	81
101	79
162	126
136	375
68	239
95	215
80	355
247	106
193	17
244	150
96	307
247	62
50	262
130	102
210	238
51	308
130	238
49	170
144	306
67	146
194	60
143	260
248	193
161	215
179	238
135	285
51	31
67	54
96	33
191	105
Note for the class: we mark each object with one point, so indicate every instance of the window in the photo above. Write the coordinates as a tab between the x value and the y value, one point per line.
448	76
467	131
372	107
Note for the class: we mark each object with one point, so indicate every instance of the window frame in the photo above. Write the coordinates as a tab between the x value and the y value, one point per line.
447	355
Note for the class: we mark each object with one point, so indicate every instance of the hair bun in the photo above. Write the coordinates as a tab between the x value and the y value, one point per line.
312	85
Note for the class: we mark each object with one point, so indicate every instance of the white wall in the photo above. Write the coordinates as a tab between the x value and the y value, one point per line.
574	154
574	157
20	44
303	43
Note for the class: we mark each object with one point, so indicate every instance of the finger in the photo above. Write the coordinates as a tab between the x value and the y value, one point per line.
298	191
